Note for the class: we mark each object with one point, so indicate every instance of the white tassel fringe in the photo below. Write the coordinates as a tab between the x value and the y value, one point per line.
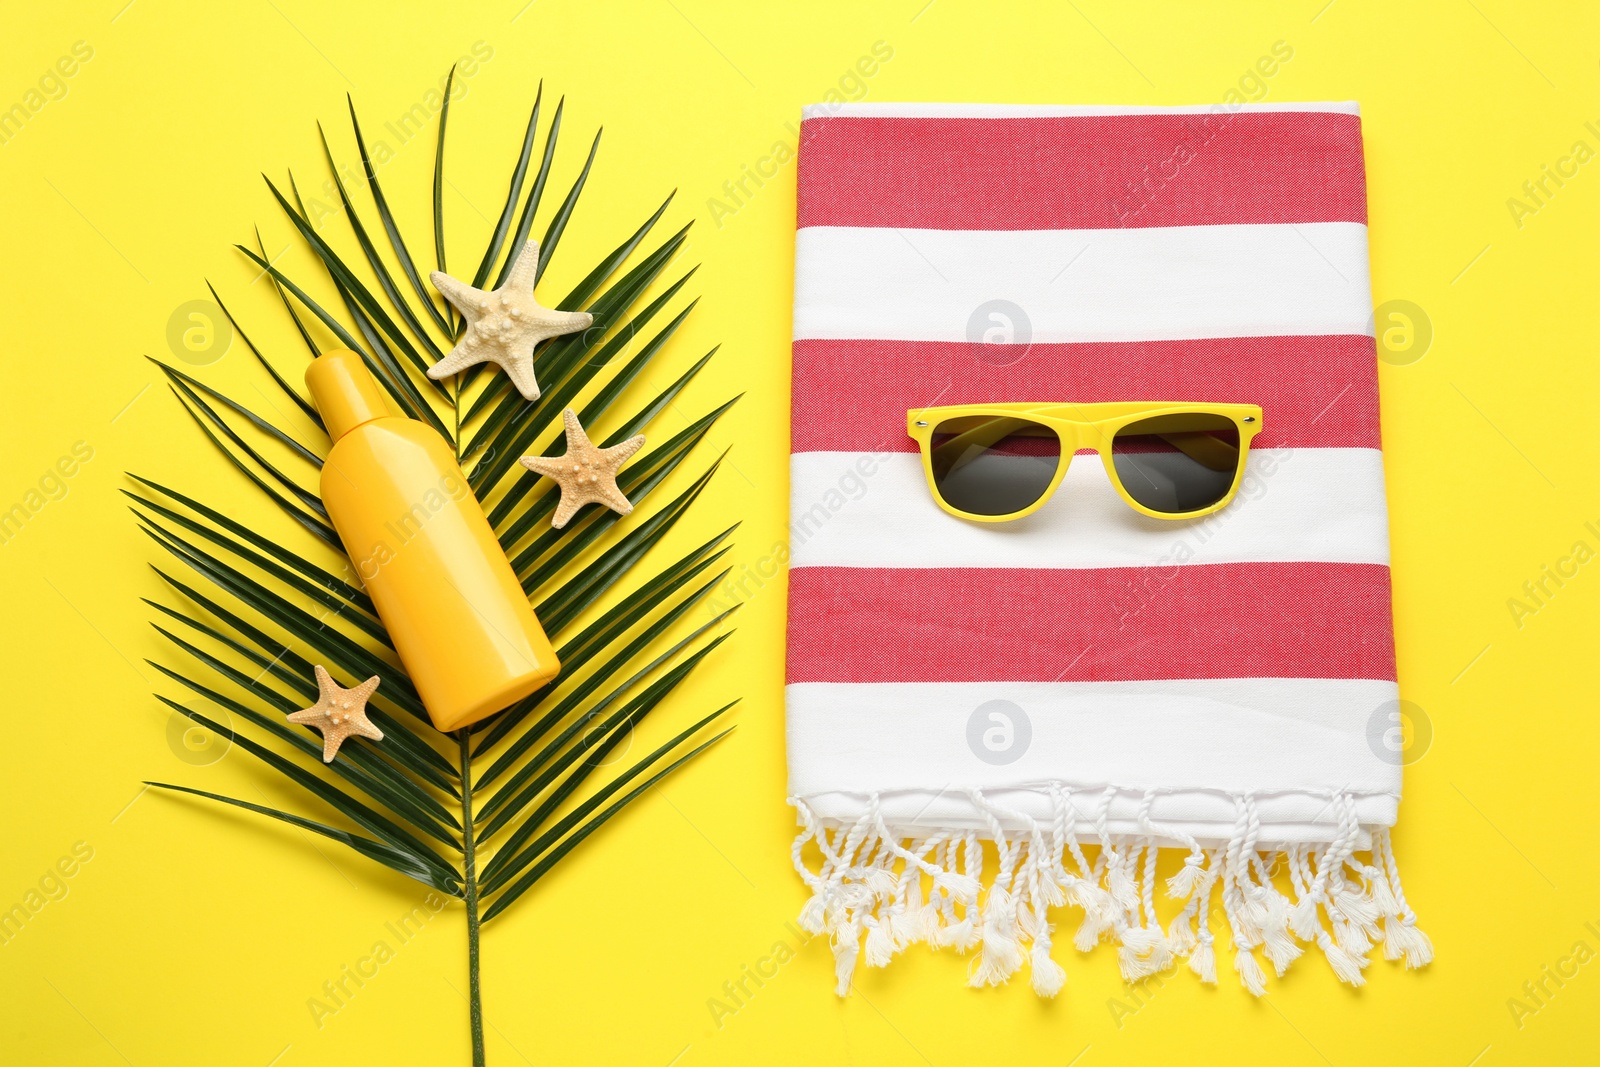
868	897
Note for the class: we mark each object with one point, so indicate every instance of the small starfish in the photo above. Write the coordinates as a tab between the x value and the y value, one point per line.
505	324
338	713
586	474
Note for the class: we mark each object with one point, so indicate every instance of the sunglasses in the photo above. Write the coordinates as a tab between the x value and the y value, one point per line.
995	462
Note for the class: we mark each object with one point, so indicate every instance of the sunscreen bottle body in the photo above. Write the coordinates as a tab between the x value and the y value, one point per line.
426	554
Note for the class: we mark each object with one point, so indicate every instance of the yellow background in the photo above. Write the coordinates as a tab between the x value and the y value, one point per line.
198	936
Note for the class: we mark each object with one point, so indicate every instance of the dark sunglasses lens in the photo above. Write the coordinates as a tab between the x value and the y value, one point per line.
993	464
1177	463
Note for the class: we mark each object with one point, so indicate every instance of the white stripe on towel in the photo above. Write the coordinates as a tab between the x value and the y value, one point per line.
1085	285
859	509
1230	735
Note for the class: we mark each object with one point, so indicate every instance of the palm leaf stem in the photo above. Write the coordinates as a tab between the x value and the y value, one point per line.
469	889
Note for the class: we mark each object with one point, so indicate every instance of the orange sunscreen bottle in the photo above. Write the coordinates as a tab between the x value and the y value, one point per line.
419	540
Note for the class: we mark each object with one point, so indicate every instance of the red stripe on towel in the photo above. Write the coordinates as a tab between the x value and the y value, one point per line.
1236	620
1082	172
1315	392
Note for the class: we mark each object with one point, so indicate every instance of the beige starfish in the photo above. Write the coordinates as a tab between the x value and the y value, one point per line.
586	474
338	713
504	325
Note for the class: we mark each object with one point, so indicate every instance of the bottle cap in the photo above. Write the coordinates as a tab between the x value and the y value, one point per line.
344	393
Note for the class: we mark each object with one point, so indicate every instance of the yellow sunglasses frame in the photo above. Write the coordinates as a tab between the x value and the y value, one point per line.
1084	426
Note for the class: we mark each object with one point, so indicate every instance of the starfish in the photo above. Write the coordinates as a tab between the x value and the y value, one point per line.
338	713
586	474
504	324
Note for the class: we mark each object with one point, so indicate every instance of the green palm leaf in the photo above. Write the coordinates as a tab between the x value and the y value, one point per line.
356	764
272	372
609	627
403	745
518	173
560	354
190	385
242	535
375	261
555	843
558	225
283	298
531	207
390	857
438	197
266	605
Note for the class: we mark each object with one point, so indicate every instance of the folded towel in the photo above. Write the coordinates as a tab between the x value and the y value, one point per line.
1086	687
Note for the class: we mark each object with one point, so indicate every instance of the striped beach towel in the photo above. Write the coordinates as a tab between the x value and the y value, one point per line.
996	727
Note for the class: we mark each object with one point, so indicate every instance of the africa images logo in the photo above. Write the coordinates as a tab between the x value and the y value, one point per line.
999	732
999	332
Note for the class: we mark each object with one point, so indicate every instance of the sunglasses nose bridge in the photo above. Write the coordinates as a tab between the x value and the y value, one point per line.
1078	437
